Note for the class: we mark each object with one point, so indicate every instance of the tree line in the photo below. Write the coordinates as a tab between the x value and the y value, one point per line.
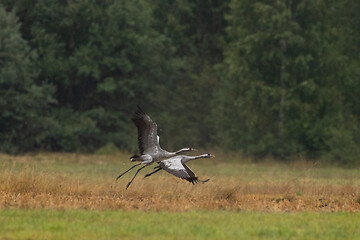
267	78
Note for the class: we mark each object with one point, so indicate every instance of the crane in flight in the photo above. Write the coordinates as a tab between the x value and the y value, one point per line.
148	143
177	167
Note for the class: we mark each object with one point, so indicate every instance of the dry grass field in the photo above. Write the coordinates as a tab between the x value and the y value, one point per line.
73	181
74	196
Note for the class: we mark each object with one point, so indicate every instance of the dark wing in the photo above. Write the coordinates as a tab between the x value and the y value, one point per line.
175	167
193	179
147	132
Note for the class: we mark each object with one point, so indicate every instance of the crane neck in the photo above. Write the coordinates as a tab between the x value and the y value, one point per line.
182	150
166	154
189	158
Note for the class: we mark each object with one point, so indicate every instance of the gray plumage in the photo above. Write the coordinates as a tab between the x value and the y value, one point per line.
148	143
177	167
148	140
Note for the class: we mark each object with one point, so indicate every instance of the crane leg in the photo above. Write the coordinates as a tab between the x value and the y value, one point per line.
127	170
149	174
135	176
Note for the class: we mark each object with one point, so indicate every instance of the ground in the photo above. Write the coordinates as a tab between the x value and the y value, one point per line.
74	196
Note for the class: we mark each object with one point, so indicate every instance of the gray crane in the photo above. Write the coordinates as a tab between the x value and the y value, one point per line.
148	142
177	167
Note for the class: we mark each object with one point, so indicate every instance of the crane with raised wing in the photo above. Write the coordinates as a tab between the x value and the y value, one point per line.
148	143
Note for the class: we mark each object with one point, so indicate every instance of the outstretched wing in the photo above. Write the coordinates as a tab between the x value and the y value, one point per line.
175	167
147	132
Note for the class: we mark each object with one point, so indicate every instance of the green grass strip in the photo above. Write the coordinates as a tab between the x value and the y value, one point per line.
83	224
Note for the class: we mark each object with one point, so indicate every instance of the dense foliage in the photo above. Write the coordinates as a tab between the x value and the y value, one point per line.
269	78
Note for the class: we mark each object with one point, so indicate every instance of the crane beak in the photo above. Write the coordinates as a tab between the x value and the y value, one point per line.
193	149
212	155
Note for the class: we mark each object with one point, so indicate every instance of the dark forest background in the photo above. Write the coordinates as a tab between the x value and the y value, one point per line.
278	78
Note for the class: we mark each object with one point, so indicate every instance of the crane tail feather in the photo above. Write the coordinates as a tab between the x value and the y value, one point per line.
204	181
195	180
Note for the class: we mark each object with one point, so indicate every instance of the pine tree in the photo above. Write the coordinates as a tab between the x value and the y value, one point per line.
23	103
282	78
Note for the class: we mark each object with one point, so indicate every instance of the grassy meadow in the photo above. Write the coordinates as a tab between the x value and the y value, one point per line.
75	196
82	224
